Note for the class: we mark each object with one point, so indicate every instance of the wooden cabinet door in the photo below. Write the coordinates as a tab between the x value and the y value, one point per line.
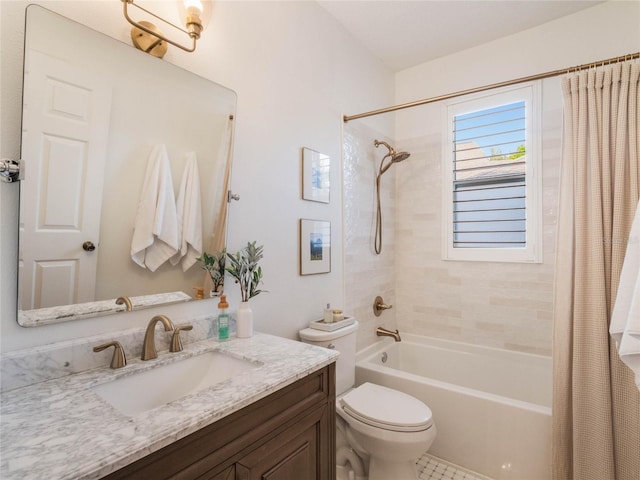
228	474
293	454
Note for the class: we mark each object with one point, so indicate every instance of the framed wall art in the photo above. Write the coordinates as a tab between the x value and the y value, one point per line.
316	169
315	247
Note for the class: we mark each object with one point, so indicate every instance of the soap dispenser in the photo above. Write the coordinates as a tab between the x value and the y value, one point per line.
199	293
328	314
223	318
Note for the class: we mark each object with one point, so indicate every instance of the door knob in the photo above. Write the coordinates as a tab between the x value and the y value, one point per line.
88	246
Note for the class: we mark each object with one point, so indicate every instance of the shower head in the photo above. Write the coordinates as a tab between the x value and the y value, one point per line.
395	156
399	156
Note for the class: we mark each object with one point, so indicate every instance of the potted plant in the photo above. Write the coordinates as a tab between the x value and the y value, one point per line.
243	267
215	267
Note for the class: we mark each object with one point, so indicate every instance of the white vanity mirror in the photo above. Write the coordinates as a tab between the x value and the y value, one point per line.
93	111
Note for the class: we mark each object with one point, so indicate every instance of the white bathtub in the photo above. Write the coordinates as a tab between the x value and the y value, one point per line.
492	407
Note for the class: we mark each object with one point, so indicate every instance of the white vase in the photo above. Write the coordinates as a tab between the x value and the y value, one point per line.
244	321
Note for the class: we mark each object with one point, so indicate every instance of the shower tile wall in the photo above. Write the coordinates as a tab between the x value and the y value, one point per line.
505	305
367	274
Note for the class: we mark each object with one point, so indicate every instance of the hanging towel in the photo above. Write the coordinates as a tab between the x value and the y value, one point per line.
155	234
189	208
625	321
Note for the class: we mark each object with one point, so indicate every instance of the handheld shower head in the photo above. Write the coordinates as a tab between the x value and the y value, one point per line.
400	156
396	157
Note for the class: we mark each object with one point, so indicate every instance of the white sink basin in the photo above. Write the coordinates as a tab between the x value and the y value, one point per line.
153	388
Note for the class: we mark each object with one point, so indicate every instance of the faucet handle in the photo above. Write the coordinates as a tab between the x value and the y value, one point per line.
176	343
119	359
379	306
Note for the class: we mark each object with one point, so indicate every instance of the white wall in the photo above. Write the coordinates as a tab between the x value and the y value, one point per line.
600	32
296	72
495	304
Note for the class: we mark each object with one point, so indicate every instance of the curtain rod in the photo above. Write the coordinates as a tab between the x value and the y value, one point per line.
538	76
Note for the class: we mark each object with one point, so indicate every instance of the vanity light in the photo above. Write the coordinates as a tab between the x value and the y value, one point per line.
147	37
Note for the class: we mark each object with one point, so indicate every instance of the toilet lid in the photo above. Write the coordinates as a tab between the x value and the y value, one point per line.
387	408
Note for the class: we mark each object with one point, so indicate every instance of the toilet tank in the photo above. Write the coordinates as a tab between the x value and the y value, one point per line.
344	341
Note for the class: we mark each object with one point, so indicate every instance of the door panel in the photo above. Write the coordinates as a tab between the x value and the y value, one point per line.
66	120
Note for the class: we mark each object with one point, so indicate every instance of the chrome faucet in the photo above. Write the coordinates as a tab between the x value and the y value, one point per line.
149	345
383	332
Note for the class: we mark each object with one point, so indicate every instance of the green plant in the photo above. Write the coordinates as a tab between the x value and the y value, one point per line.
215	267
243	267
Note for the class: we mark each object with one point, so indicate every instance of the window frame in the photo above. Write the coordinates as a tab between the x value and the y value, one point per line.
530	94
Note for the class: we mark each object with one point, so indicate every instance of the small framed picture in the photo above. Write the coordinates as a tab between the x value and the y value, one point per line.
315	247
316	169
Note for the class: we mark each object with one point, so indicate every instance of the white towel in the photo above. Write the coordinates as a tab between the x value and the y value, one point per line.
155	235
189	207
625	320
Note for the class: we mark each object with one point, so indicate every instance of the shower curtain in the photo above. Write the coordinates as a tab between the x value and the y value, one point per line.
596	405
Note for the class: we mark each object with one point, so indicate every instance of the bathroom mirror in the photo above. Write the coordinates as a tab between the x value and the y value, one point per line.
94	109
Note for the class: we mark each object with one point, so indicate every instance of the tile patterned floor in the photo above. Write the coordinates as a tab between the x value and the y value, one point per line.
431	468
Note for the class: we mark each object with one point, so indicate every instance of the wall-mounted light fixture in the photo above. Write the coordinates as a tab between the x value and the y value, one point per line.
149	38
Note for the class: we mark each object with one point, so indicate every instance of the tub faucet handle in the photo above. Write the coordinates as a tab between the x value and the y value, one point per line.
379	306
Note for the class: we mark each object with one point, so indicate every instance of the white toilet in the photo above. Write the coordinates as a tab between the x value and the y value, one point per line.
389	428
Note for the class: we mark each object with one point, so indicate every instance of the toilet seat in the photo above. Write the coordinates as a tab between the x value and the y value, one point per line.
386	408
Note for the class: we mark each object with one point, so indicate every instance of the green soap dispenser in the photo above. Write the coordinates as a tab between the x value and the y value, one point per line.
223	318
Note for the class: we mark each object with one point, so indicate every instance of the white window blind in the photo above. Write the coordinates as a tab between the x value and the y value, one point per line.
490	179
489	187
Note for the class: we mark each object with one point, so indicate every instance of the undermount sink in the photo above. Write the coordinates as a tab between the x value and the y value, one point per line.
153	388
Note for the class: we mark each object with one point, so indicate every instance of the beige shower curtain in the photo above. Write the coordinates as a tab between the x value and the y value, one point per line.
596	404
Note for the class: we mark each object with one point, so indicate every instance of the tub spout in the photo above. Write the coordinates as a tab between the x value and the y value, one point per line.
383	332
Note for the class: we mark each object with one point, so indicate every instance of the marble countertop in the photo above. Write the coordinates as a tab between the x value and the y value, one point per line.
64	313
61	429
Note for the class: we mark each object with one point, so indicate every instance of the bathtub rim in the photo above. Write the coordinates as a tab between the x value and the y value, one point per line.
384	342
364	357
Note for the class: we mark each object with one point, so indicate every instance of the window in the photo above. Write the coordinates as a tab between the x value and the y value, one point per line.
491	174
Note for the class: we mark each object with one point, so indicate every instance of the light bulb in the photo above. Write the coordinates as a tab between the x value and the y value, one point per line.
195	15
193	7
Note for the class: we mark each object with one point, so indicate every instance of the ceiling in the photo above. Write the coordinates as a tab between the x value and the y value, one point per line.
404	33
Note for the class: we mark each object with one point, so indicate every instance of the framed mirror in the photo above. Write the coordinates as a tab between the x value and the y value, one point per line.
95	113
